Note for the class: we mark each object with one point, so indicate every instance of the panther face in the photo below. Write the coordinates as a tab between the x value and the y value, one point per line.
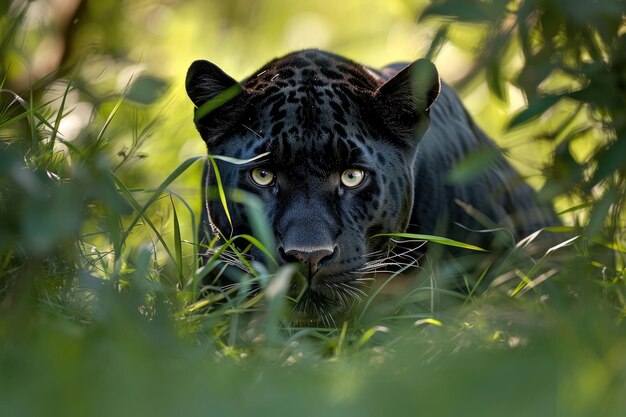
339	142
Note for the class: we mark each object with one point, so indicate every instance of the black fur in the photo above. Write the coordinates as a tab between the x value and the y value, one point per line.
317	114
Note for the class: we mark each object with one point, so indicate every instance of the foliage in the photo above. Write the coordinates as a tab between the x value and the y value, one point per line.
567	55
99	273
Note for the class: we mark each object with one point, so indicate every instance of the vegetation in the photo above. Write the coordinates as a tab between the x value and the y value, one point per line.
99	193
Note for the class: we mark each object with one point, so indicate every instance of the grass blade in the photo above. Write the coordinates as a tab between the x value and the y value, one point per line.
435	239
220	190
170	178
178	250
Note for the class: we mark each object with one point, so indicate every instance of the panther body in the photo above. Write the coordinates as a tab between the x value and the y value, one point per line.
349	153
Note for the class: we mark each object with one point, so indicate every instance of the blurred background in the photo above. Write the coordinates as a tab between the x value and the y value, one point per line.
108	46
100	169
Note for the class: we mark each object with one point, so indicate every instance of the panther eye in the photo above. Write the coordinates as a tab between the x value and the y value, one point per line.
352	177
262	176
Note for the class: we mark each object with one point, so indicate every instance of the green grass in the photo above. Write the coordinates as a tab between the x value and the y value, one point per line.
101	313
99	285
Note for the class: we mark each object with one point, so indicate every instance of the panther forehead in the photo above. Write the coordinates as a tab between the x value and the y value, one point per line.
313	68
303	107
309	96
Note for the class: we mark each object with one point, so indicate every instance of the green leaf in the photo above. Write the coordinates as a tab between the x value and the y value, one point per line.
435	239
534	110
147	90
220	190
259	245
466	11
437	43
140	211
609	160
275	295
218	101
431	321
369	333
577	207
111	115
566	243
496	83
258	221
600	212
178	250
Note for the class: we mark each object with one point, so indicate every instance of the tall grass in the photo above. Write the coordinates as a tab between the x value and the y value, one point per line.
100	300
100	311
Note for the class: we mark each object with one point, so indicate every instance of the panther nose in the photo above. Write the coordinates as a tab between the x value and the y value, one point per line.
314	258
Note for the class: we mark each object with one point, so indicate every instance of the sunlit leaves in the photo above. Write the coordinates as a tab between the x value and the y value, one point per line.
147	90
467	11
534	110
566	52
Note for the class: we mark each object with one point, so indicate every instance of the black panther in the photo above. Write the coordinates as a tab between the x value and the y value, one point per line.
348	153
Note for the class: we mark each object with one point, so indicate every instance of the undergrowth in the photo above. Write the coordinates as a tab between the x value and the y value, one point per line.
101	311
99	283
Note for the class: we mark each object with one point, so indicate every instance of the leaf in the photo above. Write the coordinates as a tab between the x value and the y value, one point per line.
371	332
60	114
611	245
535	109
140	211
437	43
218	101
431	321
275	295
568	242
496	83
577	207
525	280
560	229
279	284
600	212
220	190
259	245
237	161
258	221
178	251
147	90
467	11
111	115
609	160
435	239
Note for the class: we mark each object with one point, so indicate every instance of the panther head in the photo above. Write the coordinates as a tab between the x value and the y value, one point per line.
340	142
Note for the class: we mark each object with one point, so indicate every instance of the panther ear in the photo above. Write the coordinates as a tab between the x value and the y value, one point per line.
405	100
219	99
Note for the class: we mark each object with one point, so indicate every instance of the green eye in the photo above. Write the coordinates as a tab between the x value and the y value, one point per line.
262	176
352	177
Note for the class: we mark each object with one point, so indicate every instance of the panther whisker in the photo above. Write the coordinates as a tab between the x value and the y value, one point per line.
342	299
352	291
394	256
253	131
372	254
362	282
395	259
